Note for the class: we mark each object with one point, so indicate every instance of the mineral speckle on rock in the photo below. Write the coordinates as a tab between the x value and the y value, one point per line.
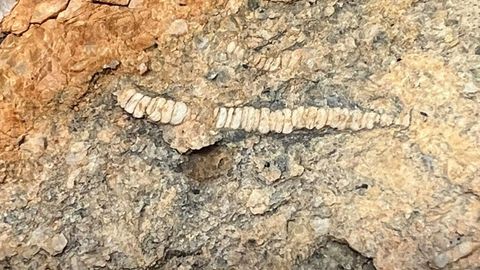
298	134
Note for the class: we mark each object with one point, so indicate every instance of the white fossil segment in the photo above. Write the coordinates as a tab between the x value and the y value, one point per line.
279	121
310	117
156	114
261	64
363	122
286	59
253	119
287	121
295	58
167	111
386	120
231	47
255	60
403	120
263	126
251	59
276	121
297	115
333	117
132	103
372	120
340	117
367	121
268	63
222	117
356	120
321	118
236	118
302	120
376	120
123	96
256	119
245	113
151	106
240	53
271	121
229	117
275	64
345	116
247	122
139	111
179	113
407	118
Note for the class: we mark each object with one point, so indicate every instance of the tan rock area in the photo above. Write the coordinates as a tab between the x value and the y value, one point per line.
239	134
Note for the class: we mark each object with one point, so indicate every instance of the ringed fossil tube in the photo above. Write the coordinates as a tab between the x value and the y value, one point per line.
262	120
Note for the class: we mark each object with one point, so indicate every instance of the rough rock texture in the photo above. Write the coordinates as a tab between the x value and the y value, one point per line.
5	7
85	185
57	50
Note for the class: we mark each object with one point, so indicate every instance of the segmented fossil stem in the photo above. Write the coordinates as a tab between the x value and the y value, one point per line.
156	109
262	120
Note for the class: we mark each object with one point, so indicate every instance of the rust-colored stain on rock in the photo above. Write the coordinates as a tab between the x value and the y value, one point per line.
58	48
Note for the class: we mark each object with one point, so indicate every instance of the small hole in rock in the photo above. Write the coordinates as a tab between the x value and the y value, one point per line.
221	162
251	242
362	186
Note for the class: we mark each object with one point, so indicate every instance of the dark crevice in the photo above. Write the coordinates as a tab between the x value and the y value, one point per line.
3	35
337	253
100	2
205	151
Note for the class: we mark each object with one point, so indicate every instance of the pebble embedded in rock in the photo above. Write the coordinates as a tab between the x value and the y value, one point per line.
142	68
178	28
56	244
34	144
321	226
329	11
258	201
271	174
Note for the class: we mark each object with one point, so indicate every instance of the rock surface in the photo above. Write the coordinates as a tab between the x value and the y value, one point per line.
5	7
85	185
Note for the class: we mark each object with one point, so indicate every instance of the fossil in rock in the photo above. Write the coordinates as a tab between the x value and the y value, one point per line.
284	60
455	253
262	120
157	109
286	120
